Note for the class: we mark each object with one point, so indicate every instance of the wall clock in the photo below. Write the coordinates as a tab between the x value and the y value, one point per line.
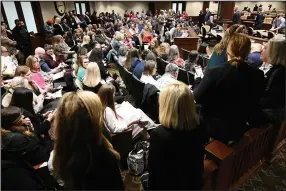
60	7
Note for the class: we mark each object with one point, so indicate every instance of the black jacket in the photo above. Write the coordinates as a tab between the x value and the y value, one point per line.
150	101
176	159
274	96
230	97
30	148
58	30
17	175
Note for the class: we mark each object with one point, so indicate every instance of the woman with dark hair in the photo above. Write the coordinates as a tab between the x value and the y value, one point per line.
19	140
83	158
96	55
23	98
133	63
71	42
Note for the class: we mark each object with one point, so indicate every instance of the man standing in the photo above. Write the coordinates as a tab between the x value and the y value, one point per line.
208	15
259	20
86	18
236	16
22	37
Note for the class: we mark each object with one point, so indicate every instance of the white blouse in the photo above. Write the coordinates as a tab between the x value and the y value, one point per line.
149	79
113	124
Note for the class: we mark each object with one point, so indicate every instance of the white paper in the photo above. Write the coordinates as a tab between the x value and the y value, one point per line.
128	112
58	94
58	75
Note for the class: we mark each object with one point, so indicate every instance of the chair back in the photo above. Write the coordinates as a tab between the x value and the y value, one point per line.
161	65
137	90
259	35
270	34
78	84
128	77
186	77
185	54
122	143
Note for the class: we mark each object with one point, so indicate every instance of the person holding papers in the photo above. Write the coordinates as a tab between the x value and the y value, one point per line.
279	25
113	122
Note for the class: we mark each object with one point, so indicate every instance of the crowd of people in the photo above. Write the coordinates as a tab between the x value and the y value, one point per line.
241	86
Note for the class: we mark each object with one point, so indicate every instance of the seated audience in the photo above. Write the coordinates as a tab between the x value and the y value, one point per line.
70	41
20	81
96	55
171	74
113	122
163	51
191	63
229	95
177	32
174	56
133	63
150	56
50	58
179	132
150	69
61	48
92	79
19	139
39	54
219	56
58	29
273	99
37	75
254	56
86	43
8	63
80	70
122	54
281	25
7	42
79	120
23	98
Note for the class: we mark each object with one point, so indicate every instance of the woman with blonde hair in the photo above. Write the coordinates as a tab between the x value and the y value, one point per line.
230	94
83	158
61	48
163	51
58	29
274	58
86	43
92	78
180	131
219	55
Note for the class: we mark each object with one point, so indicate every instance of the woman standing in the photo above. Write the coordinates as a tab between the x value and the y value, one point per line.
92	164
170	164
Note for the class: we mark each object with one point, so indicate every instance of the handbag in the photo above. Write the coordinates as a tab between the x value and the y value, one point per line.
137	159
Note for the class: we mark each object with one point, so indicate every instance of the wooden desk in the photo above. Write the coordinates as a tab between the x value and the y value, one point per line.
188	43
247	23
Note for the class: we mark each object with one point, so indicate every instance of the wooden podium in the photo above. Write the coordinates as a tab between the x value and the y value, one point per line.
188	43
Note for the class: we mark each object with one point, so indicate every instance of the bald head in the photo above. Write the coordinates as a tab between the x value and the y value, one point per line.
256	47
235	8
39	51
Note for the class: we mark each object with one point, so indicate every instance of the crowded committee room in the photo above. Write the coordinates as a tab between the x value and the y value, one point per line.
143	95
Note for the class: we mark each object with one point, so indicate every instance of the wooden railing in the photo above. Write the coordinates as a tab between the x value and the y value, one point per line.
226	168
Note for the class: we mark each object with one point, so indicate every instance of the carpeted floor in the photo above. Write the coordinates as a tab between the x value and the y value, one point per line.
269	177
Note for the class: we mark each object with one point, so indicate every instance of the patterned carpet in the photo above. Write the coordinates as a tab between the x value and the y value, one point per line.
269	177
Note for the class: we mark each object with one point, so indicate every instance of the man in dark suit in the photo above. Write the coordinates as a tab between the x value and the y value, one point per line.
259	20
236	16
208	15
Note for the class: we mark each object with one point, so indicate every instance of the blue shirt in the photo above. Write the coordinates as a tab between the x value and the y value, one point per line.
217	60
80	74
254	60
137	67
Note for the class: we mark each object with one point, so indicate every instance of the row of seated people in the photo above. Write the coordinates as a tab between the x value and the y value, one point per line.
221	86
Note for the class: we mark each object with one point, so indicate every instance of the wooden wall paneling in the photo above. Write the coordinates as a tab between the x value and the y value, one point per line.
226	10
206	4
